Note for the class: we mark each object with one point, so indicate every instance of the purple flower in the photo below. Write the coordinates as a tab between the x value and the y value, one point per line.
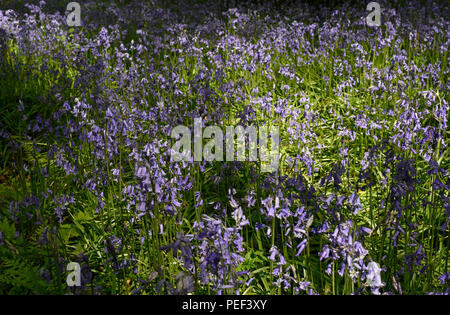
374	277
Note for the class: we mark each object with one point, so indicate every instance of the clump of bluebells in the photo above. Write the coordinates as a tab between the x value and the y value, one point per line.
358	203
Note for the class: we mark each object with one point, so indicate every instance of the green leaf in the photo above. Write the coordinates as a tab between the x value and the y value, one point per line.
8	229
